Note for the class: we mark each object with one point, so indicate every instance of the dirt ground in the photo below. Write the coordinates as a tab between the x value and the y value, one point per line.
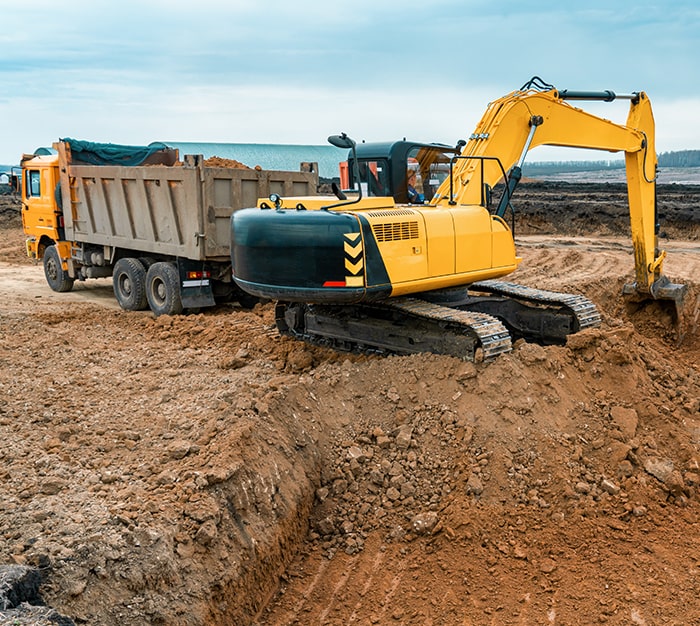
202	470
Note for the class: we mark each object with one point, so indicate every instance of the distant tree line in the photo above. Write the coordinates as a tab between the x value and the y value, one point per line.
556	167
680	158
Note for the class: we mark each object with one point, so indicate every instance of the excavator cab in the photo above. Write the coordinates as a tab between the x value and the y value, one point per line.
383	168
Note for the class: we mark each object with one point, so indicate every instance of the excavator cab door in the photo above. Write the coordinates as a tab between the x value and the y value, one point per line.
431	165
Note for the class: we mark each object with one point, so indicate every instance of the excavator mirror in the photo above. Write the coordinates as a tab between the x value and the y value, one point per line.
341	141
345	142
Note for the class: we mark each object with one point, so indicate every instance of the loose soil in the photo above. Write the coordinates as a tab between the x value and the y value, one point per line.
200	469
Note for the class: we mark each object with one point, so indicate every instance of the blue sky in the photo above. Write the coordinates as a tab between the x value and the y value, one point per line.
294	72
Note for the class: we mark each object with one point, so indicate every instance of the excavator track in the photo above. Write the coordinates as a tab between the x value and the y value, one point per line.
475	323
546	317
584	311
492	335
399	326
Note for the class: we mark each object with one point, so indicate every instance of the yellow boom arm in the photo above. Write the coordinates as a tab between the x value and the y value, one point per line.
522	120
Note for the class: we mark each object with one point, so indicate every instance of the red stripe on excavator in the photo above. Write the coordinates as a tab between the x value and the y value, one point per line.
334	283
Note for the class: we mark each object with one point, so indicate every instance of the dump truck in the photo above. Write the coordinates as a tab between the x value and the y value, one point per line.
157	225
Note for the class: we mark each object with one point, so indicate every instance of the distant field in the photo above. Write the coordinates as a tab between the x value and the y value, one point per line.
666	175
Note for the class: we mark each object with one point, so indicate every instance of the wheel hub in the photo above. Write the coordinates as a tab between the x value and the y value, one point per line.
52	270
160	291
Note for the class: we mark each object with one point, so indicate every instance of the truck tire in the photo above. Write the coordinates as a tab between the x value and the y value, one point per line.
146	261
129	283
56	276
163	289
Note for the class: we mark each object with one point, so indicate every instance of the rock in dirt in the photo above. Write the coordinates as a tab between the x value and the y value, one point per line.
626	421
424	523
664	471
20	601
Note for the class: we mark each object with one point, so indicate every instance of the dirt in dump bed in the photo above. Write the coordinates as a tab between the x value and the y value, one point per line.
200	469
216	161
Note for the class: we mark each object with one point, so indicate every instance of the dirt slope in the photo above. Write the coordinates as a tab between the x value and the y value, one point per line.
201	470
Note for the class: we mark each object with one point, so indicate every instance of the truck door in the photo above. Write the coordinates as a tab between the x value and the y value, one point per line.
40	214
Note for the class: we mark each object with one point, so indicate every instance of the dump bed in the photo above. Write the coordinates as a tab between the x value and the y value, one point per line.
180	210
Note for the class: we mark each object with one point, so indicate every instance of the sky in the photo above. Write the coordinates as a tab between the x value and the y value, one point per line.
274	71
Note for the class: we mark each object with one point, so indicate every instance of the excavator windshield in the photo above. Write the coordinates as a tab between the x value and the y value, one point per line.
374	177
385	168
431	166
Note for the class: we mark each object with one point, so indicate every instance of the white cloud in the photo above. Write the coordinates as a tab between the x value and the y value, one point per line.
677	126
253	114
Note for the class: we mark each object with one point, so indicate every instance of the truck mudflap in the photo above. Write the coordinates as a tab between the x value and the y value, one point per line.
195	284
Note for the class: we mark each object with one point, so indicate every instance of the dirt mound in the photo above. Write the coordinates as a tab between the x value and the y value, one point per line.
12	248
202	470
519	490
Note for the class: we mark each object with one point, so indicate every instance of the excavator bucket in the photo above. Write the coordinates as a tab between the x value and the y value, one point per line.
660	289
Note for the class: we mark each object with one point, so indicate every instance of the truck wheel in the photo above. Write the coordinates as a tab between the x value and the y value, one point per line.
56	276
129	283
163	289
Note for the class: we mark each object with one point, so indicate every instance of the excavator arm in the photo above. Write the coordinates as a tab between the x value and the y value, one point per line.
530	117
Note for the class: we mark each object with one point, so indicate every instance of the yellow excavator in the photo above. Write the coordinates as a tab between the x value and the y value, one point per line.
361	272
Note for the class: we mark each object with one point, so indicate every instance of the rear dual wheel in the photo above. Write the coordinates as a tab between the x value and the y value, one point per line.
163	289
129	283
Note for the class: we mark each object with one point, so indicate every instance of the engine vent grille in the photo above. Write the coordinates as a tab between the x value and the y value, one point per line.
395	231
390	213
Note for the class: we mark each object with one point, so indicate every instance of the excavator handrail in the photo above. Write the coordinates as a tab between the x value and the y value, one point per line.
456	158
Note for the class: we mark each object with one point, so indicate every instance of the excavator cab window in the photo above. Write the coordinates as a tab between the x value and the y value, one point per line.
431	166
374	178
